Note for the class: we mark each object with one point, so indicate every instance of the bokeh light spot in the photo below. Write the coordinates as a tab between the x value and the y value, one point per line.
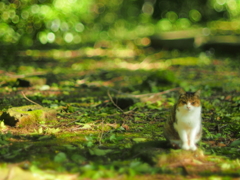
171	16
218	7
42	37
45	10
51	37
15	20
79	27
148	8
25	14
221	2
183	23
35	8
195	15
68	37
5	15
145	41
55	25
64	26
206	31
164	24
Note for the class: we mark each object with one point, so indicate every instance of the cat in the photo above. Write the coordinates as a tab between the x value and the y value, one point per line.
184	127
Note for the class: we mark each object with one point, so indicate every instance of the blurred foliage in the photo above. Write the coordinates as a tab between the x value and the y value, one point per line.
30	23
44	24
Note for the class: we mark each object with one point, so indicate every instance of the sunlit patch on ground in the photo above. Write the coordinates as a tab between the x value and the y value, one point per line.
110	115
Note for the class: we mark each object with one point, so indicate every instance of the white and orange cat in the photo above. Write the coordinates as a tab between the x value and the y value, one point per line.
184	128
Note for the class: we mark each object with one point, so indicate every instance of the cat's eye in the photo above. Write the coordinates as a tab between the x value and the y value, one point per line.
193	103
184	102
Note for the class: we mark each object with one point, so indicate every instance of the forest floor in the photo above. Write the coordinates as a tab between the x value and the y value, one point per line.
111	107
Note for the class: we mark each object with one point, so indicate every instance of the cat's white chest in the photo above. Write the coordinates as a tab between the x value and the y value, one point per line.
188	119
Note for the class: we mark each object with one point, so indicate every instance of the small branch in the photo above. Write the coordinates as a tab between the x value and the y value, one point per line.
110	97
72	122
30	100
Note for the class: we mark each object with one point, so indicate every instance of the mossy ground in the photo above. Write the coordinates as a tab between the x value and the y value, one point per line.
111	115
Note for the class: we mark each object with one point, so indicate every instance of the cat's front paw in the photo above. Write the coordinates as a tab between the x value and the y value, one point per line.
193	147
185	147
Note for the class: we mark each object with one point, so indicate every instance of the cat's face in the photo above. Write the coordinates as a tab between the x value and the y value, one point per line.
189	100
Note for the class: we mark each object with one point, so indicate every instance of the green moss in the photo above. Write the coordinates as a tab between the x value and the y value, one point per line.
26	116
96	139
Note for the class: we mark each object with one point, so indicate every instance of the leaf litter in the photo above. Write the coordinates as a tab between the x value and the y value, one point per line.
110	121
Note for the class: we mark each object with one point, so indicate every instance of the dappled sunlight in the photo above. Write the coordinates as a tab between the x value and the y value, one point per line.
121	58
104	75
112	104
75	22
83	52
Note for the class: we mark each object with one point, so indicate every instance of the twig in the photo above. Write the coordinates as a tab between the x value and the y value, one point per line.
30	100
72	122
110	97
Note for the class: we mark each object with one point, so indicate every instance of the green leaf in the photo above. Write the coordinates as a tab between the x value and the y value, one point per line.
78	158
52	130
99	152
235	143
60	157
2	125
112	138
40	130
70	147
139	139
86	126
46	137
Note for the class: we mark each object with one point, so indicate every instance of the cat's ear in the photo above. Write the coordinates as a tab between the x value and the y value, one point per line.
181	91
197	93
